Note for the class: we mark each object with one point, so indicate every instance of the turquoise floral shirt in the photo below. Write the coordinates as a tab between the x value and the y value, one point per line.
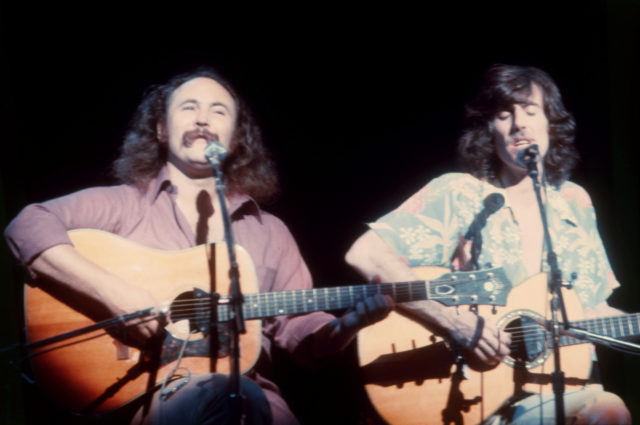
427	229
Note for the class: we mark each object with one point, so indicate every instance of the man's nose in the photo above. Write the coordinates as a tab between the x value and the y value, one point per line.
202	119
519	119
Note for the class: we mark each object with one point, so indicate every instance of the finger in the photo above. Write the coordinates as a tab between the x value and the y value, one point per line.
361	310
481	354
505	348
492	347
374	306
389	301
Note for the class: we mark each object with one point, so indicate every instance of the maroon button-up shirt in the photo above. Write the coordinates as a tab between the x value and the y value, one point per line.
152	218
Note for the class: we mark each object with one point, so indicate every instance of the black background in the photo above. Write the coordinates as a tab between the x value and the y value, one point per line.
359	104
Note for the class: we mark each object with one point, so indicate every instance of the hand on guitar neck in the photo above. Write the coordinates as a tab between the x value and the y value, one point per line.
480	341
98	293
343	329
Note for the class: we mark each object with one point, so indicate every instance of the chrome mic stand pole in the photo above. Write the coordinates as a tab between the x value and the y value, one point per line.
215	153
528	158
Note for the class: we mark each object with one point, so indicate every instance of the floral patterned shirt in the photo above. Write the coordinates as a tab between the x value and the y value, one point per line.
427	229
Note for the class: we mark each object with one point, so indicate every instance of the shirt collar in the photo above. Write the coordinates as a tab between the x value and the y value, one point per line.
239	203
559	204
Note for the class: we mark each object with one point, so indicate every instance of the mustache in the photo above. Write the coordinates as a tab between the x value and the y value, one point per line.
190	136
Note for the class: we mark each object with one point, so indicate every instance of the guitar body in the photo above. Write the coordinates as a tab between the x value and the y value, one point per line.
410	377
94	372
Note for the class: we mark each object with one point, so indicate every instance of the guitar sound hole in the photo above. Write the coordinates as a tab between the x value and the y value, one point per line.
528	340
193	306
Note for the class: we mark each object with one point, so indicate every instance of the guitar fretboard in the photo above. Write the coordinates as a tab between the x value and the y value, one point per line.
268	304
615	327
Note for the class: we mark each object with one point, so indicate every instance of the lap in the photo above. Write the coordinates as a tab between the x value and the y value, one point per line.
589	405
205	400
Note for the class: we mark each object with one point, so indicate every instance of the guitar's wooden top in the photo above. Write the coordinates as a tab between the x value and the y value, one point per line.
95	372
409	372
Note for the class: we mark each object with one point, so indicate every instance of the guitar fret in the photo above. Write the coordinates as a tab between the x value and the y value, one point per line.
420	291
351	300
606	327
278	302
300	306
618	324
627	326
263	304
334	297
617	331
598	328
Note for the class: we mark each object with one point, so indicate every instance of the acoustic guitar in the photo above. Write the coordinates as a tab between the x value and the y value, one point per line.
94	372
411	376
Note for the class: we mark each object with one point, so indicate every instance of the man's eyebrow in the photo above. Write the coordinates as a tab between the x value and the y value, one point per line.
187	101
217	103
224	105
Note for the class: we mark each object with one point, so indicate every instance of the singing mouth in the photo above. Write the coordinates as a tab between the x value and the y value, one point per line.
522	141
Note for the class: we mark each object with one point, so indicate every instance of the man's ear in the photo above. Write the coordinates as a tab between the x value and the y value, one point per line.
161	132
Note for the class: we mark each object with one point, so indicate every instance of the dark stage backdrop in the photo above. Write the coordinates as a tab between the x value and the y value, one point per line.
360	107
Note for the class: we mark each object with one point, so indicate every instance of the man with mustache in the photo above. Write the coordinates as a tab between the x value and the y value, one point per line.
167	200
516	108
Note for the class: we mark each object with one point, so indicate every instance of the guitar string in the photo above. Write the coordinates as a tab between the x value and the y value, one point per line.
263	298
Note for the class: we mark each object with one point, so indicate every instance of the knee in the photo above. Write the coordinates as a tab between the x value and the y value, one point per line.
604	408
252	391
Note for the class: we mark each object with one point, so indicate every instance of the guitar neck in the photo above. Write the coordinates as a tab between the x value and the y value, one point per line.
268	304
615	327
478	287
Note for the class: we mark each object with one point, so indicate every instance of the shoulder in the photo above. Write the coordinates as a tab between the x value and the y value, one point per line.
574	194
442	191
454	178
273	224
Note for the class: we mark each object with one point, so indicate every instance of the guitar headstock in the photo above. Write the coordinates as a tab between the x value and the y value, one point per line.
482	287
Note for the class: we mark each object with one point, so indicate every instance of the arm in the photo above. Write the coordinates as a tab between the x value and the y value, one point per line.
94	291
38	238
317	334
371	256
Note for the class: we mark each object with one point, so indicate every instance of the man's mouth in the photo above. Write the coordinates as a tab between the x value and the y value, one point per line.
522	141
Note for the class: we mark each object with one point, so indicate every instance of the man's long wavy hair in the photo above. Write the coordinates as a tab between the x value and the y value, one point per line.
502	87
248	167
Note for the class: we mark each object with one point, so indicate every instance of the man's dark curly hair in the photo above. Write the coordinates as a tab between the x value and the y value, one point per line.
502	87
248	167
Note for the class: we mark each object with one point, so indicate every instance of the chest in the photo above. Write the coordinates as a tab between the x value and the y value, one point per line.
204	217
526	215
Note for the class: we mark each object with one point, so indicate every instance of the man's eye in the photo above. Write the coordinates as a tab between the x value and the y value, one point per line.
503	115
188	108
531	109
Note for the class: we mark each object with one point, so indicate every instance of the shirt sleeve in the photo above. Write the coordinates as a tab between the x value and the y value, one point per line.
41	226
291	333
424	229
595	278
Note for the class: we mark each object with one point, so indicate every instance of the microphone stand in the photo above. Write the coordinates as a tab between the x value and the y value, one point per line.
554	286
608	341
215	153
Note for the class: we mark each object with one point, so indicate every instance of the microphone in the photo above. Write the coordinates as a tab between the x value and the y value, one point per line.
528	156
492	203
215	153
